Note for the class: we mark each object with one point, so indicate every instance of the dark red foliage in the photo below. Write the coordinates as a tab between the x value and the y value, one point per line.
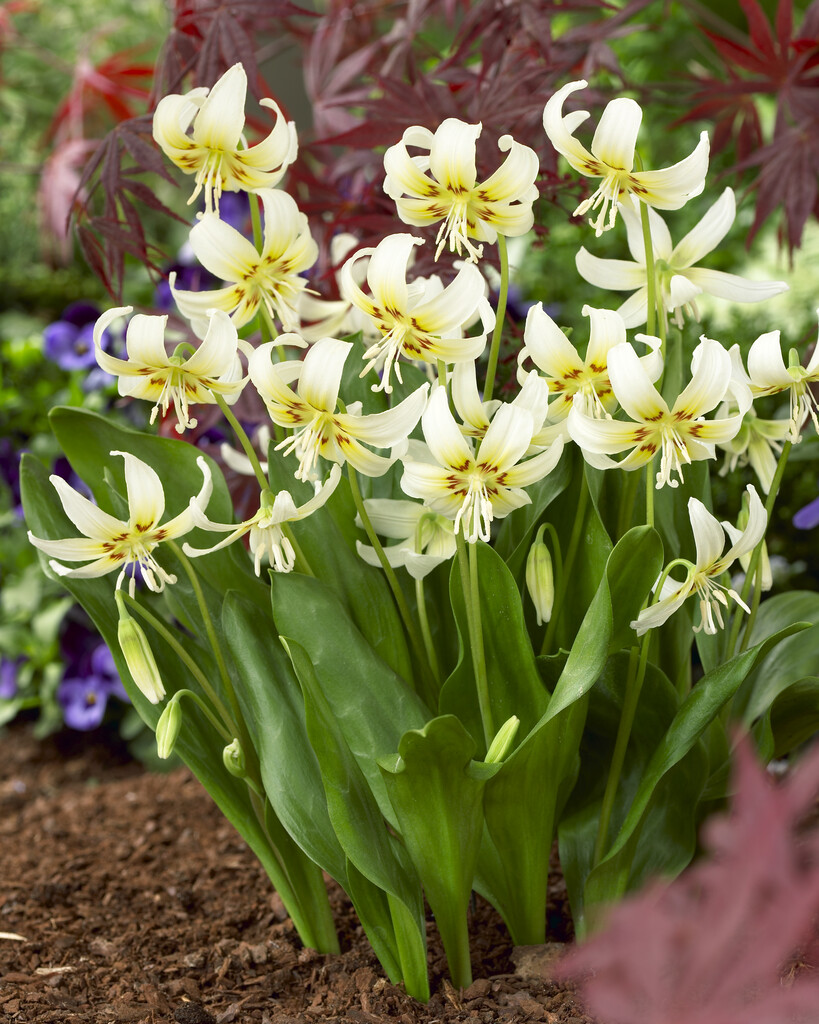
782	61
371	69
734	939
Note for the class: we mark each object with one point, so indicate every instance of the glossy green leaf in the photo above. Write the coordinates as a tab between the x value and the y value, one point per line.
360	827
437	789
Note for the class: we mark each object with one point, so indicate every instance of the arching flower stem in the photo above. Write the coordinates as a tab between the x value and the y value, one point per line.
756	556
206	711
427	682
244	441
468	563
500	314
650	493
651	277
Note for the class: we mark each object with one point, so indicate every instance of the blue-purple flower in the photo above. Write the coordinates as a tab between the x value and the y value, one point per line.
69	341
84	697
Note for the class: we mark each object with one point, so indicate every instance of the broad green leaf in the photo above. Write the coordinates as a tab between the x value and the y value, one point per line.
436	789
610	878
359	825
793	717
515	687
360	587
795	658
373	706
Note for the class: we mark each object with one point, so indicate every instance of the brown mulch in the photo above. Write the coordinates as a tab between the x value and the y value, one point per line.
138	902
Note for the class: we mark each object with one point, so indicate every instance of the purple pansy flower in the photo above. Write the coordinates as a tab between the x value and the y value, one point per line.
8	677
808	517
69	341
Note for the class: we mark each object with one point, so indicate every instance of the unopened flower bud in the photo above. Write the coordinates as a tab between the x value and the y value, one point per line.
504	737
139	656
167	729
764	561
540	579
233	758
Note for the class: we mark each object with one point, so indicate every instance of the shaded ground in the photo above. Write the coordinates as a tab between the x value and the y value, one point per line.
139	903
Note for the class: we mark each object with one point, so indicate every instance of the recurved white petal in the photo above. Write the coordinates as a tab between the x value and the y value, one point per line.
656	614
634	310
443	436
220	121
705	236
548	346
710	379
387	271
515	178
452	154
559	128
321	376
618	275
70	549
393	518
754	529
632	385
455	306
606	329
223	250
185	521
145	340
709	537
660	235
766	367
84	514
384	429
217	352
671	187
146	498
616	134
507	439
732	287
277	150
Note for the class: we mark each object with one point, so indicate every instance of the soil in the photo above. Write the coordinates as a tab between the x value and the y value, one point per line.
138	902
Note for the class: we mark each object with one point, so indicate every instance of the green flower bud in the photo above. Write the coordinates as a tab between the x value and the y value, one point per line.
499	747
138	656
233	758
167	729
540	578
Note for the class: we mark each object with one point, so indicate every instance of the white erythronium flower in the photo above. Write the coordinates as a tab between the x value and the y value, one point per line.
336	318
419	321
678	280
201	132
573	379
768	375
612	159
709	565
151	374
239	462
270	278
425	538
474	487
680	434
311	409
109	543
451	192
267	539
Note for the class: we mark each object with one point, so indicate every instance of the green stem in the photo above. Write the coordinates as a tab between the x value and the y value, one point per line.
634	684
302	565
651	283
428	682
186	660
441	367
568	565
426	632
500	313
757	597
244	441
468	562
650	493
736	624
214	721
627	496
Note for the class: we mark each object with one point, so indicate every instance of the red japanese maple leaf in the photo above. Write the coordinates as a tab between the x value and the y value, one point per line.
712	946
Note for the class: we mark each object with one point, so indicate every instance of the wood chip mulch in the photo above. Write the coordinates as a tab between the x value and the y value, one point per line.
138	902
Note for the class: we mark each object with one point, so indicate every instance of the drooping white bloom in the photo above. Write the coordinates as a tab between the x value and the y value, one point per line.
757	444
109	543
709	565
425	538
474	487
311	409
151	374
201	133
270	278
612	159
680	434
267	539
419	321
679	282
768	375
443	186
572	378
